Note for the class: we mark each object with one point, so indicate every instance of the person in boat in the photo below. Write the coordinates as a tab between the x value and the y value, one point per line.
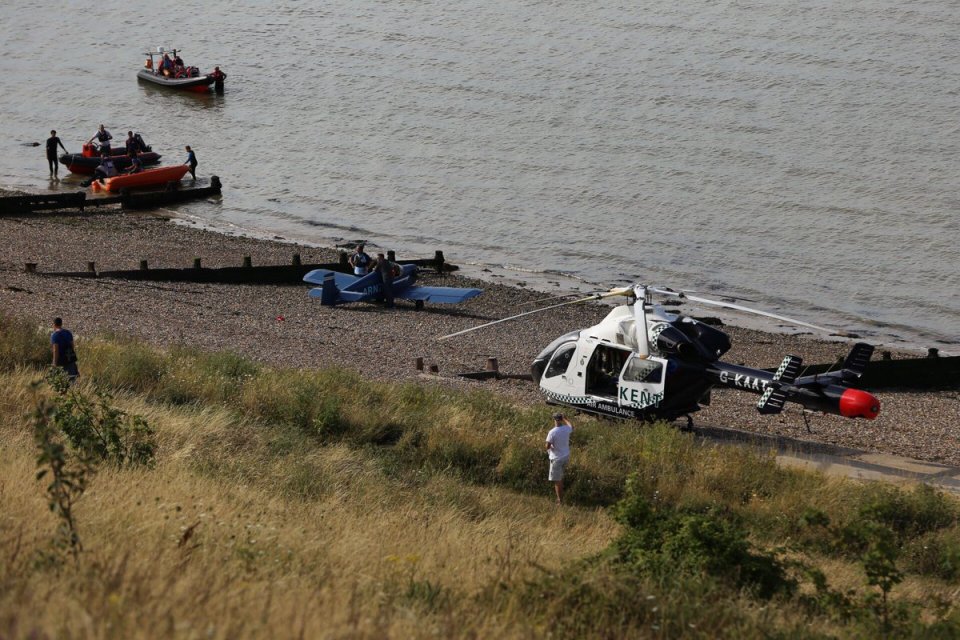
191	161
103	137
149	63
136	166
166	65
52	143
131	144
106	168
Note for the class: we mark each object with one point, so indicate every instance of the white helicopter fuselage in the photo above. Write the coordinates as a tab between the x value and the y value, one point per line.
602	369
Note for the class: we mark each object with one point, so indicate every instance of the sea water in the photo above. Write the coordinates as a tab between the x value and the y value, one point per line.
803	155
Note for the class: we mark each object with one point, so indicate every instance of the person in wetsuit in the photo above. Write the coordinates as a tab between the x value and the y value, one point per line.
52	143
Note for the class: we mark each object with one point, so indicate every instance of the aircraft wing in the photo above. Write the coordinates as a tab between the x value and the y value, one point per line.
438	295
342	280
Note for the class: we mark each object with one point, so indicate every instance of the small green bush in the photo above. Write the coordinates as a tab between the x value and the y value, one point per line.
935	554
908	513
666	542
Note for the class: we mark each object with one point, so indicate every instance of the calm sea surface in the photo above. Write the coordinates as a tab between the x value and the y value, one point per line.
802	154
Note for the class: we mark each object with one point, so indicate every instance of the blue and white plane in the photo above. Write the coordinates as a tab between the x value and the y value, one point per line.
337	288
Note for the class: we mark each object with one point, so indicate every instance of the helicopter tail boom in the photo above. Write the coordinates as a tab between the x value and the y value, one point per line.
828	393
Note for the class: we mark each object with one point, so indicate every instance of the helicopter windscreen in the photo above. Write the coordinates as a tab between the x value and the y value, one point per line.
560	361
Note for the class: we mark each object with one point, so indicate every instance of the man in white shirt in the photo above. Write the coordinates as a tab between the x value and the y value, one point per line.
558	448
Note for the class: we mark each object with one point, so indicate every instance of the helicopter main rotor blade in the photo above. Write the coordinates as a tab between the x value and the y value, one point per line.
730	305
596	296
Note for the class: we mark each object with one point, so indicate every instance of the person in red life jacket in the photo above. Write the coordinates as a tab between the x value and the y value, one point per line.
218	75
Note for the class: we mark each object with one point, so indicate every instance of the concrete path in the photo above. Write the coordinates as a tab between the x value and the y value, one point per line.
851	463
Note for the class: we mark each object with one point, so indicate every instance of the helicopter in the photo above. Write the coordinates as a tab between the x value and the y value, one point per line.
647	363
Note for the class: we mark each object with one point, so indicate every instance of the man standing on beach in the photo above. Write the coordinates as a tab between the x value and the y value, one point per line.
558	449
52	143
388	271
360	261
61	345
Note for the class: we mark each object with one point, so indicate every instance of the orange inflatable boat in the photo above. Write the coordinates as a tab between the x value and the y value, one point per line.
146	178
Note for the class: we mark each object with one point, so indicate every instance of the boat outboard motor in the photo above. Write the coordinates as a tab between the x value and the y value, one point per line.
142	146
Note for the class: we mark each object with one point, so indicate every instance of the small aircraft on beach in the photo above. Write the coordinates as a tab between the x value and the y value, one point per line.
647	363
337	288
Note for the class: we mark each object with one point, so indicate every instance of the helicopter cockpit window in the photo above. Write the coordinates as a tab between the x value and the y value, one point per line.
640	370
603	370
560	361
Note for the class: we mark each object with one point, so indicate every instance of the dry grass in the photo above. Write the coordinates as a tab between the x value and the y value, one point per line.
319	545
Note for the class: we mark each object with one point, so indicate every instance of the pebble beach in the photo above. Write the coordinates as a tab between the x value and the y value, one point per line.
281	326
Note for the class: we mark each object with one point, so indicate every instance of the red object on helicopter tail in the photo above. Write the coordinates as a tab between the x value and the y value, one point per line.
855	403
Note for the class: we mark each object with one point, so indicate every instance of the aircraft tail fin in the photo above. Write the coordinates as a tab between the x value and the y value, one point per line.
856	362
329	292
788	370
772	401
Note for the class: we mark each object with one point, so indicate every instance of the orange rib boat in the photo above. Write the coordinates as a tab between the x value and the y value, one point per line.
146	178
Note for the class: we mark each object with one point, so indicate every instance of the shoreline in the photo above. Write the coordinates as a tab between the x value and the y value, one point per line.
282	326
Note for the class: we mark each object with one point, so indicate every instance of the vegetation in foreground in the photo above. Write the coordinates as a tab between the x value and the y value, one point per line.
202	495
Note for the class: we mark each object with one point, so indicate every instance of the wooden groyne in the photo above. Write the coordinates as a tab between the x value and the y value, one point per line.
930	373
289	274
172	193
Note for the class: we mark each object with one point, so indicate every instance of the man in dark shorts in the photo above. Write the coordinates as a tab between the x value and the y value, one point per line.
61	344
52	143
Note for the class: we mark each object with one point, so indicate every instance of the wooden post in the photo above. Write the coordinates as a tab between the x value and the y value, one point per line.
247	262
933	352
420	364
144	266
30	267
392	255
492	364
196	263
92	267
296	260
438	261
886	355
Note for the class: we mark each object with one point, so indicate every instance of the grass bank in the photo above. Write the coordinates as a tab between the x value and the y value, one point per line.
319	503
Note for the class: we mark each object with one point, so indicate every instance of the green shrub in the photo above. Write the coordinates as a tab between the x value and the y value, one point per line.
908	513
935	554
100	431
666	542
